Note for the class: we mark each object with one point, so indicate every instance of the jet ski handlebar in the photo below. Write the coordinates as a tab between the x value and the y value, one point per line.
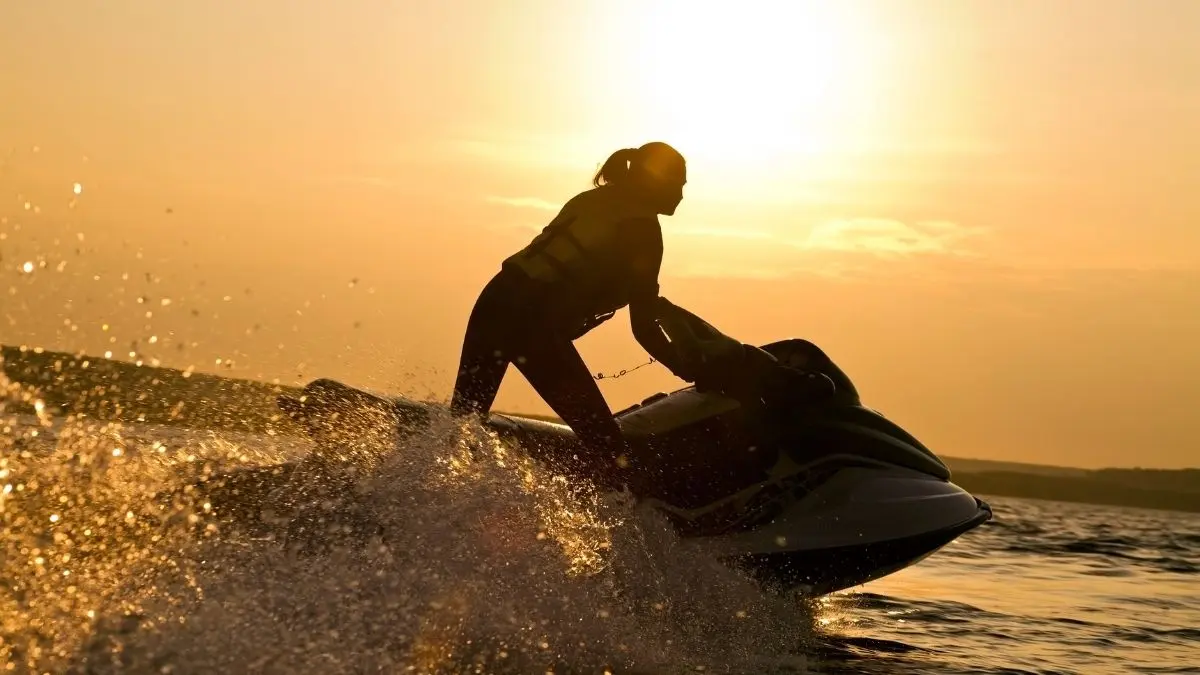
733	368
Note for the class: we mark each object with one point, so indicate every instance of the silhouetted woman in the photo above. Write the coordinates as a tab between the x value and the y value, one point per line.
600	253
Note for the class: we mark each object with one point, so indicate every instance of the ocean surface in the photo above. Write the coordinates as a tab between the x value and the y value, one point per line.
489	566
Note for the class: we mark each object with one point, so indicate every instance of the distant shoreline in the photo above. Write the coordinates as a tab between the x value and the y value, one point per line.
115	390
1129	490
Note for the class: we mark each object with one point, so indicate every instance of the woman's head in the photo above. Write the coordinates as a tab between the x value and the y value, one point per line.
656	171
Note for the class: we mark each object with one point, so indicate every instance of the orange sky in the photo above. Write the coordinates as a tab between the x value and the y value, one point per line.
986	212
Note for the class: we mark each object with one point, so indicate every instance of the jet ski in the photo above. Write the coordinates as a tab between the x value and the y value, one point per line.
805	491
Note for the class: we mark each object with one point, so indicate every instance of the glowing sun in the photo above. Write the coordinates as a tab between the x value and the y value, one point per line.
751	80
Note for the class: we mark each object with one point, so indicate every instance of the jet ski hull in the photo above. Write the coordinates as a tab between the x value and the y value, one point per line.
820	571
820	498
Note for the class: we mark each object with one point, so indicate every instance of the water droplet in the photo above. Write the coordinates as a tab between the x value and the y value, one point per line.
78	188
27	267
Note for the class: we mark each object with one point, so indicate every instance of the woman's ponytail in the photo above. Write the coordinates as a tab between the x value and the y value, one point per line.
616	168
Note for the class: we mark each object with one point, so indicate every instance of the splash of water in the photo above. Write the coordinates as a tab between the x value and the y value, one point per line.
479	559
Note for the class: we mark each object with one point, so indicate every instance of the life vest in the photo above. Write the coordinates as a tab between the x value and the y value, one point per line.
576	253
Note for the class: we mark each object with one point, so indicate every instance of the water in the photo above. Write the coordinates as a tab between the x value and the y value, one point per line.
487	565
1047	587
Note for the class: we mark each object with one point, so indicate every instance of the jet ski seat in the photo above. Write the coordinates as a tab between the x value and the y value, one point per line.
804	355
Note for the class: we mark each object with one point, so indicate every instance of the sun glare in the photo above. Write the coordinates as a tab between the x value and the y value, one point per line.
751	82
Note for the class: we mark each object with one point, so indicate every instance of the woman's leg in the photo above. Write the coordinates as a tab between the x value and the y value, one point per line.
555	369
481	370
483	361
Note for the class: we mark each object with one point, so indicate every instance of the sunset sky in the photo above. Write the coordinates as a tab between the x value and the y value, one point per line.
987	212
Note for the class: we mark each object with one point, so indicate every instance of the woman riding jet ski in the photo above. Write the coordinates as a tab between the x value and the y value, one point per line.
770	463
600	253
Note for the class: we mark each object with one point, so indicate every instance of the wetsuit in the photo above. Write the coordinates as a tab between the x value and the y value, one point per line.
598	255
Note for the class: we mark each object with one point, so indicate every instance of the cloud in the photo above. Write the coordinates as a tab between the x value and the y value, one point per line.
525	203
702	269
542	151
849	249
722	232
888	237
371	181
881	236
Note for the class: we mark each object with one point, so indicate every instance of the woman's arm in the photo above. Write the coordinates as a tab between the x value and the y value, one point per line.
643	319
646	261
